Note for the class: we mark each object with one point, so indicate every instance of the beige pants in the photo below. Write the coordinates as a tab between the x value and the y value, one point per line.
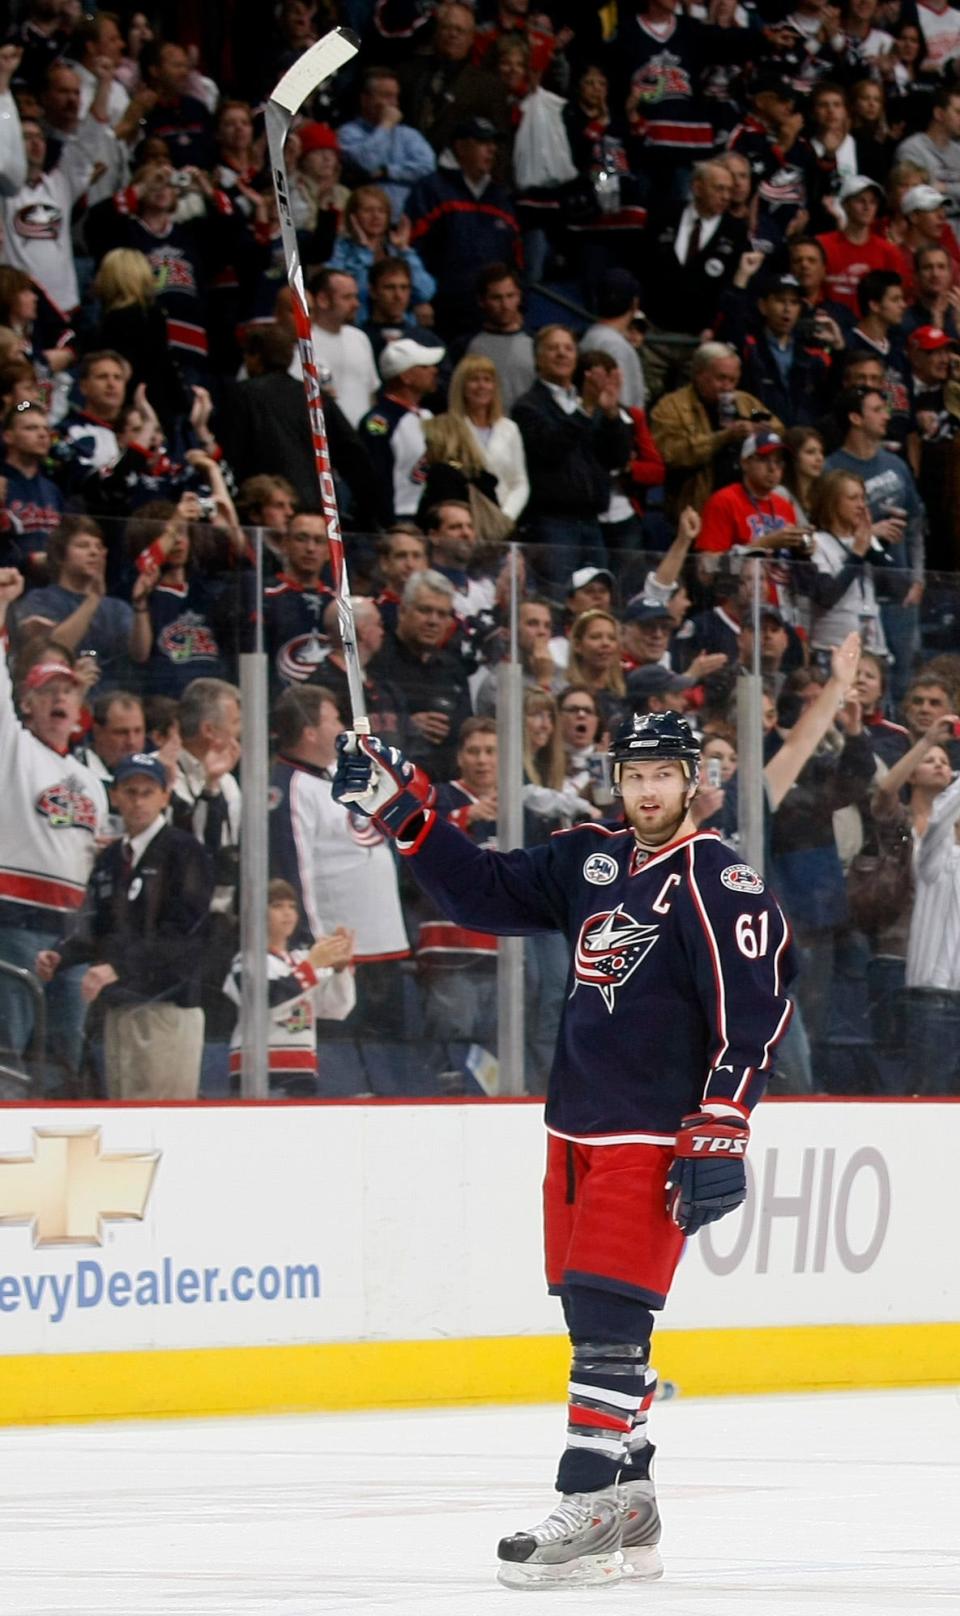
153	1052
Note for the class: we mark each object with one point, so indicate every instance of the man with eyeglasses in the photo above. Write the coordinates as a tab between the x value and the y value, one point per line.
33	501
431	678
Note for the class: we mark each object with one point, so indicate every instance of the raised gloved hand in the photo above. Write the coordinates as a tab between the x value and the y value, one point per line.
707	1178
379	781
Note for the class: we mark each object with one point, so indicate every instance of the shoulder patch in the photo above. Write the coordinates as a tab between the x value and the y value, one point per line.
600	869
378	425
741	878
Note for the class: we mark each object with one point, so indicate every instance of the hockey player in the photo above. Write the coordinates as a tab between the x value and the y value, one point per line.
676	1002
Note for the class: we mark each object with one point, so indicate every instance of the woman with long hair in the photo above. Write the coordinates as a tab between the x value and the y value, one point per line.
454	465
544	762
595	662
133	324
803	467
475	400
367	236
838	579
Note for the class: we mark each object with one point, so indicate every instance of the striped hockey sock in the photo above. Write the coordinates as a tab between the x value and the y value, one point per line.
639	1439
607	1401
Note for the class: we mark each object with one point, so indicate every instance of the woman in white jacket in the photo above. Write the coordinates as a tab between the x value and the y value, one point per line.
839	578
475	398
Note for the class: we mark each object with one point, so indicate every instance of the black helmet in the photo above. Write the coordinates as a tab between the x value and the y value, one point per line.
656	735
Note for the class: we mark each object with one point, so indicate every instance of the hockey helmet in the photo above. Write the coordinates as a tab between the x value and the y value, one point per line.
656	735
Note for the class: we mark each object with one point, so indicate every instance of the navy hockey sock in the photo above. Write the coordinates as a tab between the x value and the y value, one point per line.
609	1389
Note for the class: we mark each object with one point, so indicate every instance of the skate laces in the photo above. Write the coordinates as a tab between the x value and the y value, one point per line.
572	1513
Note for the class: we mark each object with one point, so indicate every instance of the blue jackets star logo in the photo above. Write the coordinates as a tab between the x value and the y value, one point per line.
609	948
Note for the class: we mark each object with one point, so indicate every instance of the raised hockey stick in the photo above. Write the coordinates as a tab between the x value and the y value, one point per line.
308	72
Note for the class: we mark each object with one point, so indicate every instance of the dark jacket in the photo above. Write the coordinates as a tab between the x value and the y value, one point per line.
569	457
456	233
685	297
153	931
437	684
263	427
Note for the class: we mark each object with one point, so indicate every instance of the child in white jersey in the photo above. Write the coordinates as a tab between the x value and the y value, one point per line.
302	984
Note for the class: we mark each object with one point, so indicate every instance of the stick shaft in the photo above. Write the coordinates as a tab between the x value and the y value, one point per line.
304	77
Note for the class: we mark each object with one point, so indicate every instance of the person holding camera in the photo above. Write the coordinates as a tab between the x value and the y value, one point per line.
700	429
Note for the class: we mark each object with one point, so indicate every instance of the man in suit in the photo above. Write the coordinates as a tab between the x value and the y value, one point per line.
141	935
693	252
570	456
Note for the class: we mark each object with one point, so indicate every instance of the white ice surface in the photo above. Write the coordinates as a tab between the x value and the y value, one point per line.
795	1506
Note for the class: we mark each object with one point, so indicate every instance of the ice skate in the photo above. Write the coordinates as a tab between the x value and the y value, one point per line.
576	1545
640	1519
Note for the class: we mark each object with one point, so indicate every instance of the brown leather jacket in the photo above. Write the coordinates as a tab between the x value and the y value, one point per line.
688	443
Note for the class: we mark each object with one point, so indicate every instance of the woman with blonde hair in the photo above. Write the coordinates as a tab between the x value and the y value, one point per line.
367	236
595	662
133	324
475	399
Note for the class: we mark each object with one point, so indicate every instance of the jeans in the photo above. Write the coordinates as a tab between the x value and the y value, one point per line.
932	1025
901	625
66	1011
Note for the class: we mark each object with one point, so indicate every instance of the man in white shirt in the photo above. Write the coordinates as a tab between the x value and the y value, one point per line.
340	347
393	430
98	46
36	222
85	139
13	157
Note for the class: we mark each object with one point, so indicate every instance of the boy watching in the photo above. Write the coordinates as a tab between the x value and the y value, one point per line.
302	985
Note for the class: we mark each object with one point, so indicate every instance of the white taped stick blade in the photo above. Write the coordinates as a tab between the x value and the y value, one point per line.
314	67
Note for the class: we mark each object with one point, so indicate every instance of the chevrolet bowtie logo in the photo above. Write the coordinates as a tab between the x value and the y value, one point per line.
67	1190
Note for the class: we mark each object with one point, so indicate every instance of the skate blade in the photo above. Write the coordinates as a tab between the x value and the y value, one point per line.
642	1564
589	1570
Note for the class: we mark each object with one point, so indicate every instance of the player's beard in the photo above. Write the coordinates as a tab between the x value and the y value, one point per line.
656	830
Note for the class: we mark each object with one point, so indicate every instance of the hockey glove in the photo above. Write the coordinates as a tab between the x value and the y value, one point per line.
707	1178
379	781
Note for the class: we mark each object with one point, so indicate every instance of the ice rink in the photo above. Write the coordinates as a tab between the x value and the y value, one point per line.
812	1505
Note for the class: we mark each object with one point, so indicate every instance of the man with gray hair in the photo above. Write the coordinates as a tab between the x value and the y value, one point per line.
699	429
690	256
417	661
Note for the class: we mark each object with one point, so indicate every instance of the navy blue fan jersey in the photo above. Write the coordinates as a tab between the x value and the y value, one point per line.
676	991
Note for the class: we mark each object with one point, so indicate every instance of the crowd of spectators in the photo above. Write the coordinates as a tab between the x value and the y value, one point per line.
667	293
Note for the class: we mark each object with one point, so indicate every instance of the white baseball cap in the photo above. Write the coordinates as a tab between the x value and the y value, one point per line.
403	355
922	199
854	184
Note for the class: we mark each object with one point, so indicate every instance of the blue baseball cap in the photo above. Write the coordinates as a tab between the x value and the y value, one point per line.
146	763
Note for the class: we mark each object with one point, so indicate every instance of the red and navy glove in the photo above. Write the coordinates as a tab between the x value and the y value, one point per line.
379	781
707	1178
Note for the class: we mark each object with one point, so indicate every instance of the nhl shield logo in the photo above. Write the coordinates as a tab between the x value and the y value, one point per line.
600	869
609	948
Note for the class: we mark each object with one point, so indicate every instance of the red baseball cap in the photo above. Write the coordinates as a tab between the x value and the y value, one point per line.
43	672
317	137
929	338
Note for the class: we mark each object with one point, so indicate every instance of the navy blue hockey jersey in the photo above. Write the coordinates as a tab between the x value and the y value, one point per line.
676	991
